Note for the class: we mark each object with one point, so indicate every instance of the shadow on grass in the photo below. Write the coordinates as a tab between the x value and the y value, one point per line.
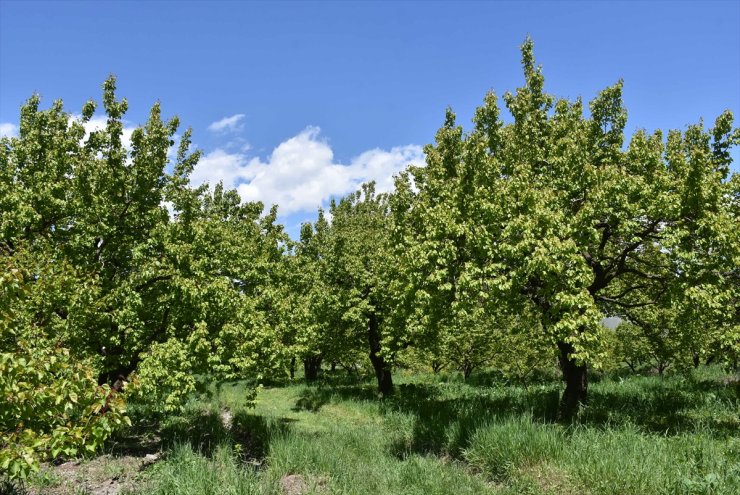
492	378
8	487
446	415
441	417
316	395
312	400
672	406
205	431
442	424
138	441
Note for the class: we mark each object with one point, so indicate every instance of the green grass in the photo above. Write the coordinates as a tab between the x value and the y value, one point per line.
439	435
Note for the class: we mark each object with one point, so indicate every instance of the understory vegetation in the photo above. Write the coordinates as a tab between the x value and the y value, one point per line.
439	434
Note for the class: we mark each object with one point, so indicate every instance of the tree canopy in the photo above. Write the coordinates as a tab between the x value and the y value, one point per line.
121	281
121	272
557	214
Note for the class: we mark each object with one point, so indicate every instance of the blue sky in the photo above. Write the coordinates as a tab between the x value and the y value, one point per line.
321	96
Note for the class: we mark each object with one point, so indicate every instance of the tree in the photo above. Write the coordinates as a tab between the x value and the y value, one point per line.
220	308
128	274
360	269
74	207
551	214
321	333
653	344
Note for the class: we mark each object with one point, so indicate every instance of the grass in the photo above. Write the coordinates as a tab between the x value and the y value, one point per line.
439	435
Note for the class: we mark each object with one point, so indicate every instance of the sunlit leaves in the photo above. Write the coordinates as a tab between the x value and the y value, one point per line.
552	212
116	261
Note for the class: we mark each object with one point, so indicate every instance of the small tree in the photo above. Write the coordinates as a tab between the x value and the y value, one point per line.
360	269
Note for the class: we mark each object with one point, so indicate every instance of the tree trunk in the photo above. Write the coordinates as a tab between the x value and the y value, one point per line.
292	367
467	369
576	382
631	365
696	359
437	366
380	365
311	367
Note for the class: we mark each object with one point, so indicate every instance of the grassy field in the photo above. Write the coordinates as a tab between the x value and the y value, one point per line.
437	435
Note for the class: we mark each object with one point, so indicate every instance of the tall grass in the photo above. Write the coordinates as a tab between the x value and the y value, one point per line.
187	472
609	461
439	435
499	448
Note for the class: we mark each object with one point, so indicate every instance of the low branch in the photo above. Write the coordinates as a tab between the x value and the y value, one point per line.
627	291
152	281
624	304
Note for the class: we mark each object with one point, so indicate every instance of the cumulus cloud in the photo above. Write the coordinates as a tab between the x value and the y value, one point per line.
301	173
8	130
232	123
220	165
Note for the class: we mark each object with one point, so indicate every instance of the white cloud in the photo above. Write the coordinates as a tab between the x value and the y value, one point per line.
8	130
301	173
237	143
232	123
219	165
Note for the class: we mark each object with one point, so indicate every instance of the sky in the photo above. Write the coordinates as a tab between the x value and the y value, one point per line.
296	102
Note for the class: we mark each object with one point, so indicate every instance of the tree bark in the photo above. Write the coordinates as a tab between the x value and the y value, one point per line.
437	366
576	382
311	367
380	365
661	367
467	369
696	359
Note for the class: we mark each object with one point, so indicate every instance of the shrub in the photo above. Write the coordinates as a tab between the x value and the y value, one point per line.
51	405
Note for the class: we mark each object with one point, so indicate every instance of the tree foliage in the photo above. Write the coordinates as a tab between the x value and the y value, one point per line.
128	274
508	248
554	214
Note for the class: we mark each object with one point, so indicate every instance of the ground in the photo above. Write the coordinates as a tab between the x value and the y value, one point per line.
436	435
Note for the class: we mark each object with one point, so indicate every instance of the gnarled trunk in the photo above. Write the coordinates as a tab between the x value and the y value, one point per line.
576	382
467	368
437	366
311	367
380	365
